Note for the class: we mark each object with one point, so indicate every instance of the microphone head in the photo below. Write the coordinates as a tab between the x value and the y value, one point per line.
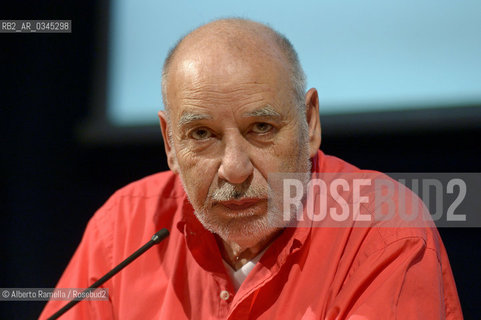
160	235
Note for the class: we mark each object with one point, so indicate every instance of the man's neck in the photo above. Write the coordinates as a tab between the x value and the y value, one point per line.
237	255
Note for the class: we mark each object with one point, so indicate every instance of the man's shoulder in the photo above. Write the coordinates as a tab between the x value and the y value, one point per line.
329	163
331	168
324	163
385	206
164	184
153	198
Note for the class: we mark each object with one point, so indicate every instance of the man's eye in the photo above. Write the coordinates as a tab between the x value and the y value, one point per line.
200	134
261	127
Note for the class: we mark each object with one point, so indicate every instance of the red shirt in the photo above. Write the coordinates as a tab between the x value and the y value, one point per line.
306	273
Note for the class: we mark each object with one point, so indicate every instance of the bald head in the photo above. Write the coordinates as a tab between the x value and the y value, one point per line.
221	44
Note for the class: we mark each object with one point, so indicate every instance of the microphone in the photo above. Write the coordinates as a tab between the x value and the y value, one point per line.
156	238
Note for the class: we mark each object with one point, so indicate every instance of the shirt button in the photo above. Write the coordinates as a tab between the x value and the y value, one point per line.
224	295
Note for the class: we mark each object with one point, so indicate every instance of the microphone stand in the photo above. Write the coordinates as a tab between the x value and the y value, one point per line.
156	238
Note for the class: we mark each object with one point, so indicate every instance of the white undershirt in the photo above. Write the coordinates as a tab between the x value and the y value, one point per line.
240	275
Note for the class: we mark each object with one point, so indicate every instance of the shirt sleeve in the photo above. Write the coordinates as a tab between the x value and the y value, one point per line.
91	261
403	280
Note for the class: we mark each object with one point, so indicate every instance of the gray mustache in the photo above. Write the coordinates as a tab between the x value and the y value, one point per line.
229	192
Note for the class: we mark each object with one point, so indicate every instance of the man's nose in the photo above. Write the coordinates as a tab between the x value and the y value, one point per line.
236	166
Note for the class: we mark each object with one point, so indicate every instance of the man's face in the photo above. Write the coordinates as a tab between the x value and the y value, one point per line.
233	122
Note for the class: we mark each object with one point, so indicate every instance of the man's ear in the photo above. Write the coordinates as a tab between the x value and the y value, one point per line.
169	149
313	121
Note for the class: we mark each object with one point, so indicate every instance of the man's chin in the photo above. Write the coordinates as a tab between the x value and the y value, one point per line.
240	229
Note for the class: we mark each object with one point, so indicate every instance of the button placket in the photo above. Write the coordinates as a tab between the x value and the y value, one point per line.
224	295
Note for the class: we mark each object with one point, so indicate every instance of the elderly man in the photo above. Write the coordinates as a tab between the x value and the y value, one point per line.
236	111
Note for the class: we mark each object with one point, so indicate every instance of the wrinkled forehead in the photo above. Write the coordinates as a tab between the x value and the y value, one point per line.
227	67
